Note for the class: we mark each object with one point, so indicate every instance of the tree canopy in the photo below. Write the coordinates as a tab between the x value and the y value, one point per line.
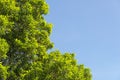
24	42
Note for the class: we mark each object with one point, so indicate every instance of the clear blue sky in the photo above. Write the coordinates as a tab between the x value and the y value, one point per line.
90	29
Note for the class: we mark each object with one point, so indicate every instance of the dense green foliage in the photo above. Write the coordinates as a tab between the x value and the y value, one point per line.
24	42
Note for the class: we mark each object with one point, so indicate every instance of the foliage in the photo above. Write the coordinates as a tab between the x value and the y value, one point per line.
3	72
24	42
64	67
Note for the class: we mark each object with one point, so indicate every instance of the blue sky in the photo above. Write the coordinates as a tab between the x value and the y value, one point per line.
91	30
